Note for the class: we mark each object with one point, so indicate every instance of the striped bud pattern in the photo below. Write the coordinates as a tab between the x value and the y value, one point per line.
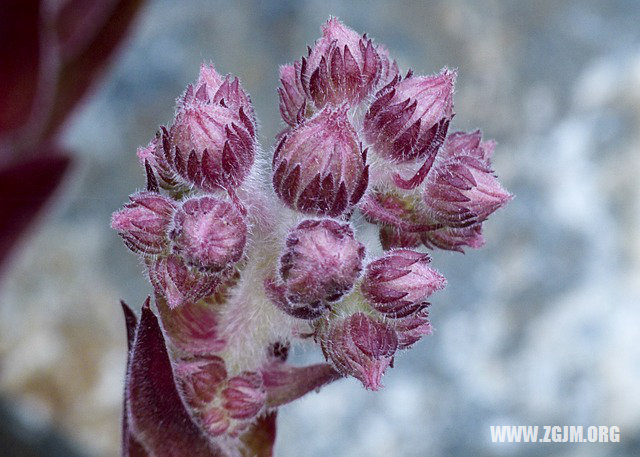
409	120
143	223
242	271
362	347
319	166
399	283
211	144
209	232
342	67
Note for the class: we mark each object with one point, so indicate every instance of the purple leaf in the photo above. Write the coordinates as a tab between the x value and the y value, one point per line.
131	447
20	57
157	414
285	383
25	189
79	72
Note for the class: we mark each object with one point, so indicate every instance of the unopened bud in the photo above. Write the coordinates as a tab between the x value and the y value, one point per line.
399	283
211	144
319	167
362	347
321	262
462	190
201	378
410	120
178	283
342	67
143	222
209	232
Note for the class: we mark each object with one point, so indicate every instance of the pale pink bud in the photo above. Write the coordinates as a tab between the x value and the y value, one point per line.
143	223
293	105
362	347
454	239
235	404
211	144
409	120
178	283
461	189
215	421
153	155
244	396
342	67
399	283
320	263
226	91
193	327
319	167
411	328
201	378
209	232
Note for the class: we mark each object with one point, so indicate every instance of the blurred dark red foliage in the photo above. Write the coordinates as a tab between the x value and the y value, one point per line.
52	54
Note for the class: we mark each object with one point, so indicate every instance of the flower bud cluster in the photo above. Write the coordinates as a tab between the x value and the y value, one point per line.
189	242
240	271
223	404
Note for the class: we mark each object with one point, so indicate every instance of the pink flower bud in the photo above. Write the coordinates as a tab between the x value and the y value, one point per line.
398	283
293	103
461	189
209	232
320	263
454	239
179	284
342	67
411	328
201	378
215	421
153	154
194	327
361	347
143	223
319	168
244	396
234	404
211	144
409	120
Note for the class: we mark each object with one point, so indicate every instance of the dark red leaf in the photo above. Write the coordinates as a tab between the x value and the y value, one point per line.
131	447
25	189
78	73
20	57
157	414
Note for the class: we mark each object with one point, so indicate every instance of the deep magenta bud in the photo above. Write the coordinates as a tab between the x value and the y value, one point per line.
178	283
239	400
399	283
362	347
409	120
320	263
342	67
201	378
153	155
244	396
461	190
412	327
143	223
319	167
211	144
209	232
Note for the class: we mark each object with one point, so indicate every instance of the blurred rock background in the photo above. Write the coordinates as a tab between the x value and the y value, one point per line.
539	327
